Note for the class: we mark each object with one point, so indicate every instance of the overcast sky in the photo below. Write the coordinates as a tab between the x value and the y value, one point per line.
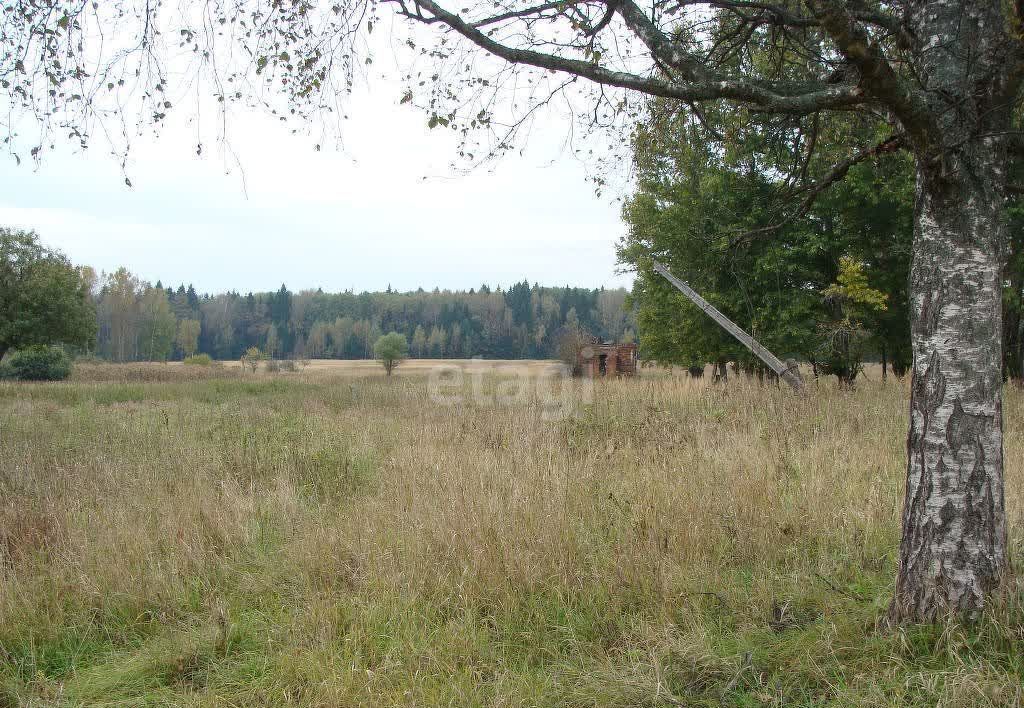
362	217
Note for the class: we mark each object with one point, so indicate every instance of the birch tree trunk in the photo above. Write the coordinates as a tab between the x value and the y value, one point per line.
953	549
953	554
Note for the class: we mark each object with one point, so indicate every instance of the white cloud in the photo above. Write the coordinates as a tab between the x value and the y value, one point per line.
360	217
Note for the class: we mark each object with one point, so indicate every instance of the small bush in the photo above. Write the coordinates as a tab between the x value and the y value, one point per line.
39	363
273	366
288	365
198	360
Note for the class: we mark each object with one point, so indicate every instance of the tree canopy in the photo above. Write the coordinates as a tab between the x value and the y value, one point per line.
390	350
708	209
43	298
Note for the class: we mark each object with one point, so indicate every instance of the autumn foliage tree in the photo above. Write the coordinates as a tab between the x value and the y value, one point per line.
251	358
851	301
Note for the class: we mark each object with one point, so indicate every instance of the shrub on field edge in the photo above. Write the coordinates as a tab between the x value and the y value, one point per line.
37	363
252	358
198	360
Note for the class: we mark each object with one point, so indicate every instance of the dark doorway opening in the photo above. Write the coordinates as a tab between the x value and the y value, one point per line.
602	364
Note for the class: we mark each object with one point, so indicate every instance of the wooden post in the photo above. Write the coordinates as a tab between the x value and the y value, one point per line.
789	374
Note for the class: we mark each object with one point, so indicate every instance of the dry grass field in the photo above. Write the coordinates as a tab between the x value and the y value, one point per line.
189	536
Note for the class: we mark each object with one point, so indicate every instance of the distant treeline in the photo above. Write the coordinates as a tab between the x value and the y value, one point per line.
140	321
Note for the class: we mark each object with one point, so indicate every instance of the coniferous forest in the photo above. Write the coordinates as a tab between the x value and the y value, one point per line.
138	321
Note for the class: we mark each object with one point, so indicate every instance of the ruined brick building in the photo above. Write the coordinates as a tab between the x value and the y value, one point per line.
603	359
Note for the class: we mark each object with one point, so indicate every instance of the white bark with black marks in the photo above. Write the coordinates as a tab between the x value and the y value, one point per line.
953	550
953	554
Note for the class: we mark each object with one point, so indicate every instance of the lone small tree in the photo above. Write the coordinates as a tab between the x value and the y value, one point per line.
252	358
390	350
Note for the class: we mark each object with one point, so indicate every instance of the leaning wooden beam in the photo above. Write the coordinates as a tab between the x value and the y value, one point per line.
789	374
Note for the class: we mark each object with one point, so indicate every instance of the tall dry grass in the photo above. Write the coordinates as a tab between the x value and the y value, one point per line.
150	372
317	539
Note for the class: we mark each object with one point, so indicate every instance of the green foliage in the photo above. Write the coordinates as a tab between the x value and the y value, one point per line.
391	350
38	363
710	210
1013	290
198	360
43	298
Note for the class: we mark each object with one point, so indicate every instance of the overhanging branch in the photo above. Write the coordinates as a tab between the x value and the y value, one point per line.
877	76
778	97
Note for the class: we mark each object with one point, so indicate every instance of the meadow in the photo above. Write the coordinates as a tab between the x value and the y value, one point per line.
189	536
